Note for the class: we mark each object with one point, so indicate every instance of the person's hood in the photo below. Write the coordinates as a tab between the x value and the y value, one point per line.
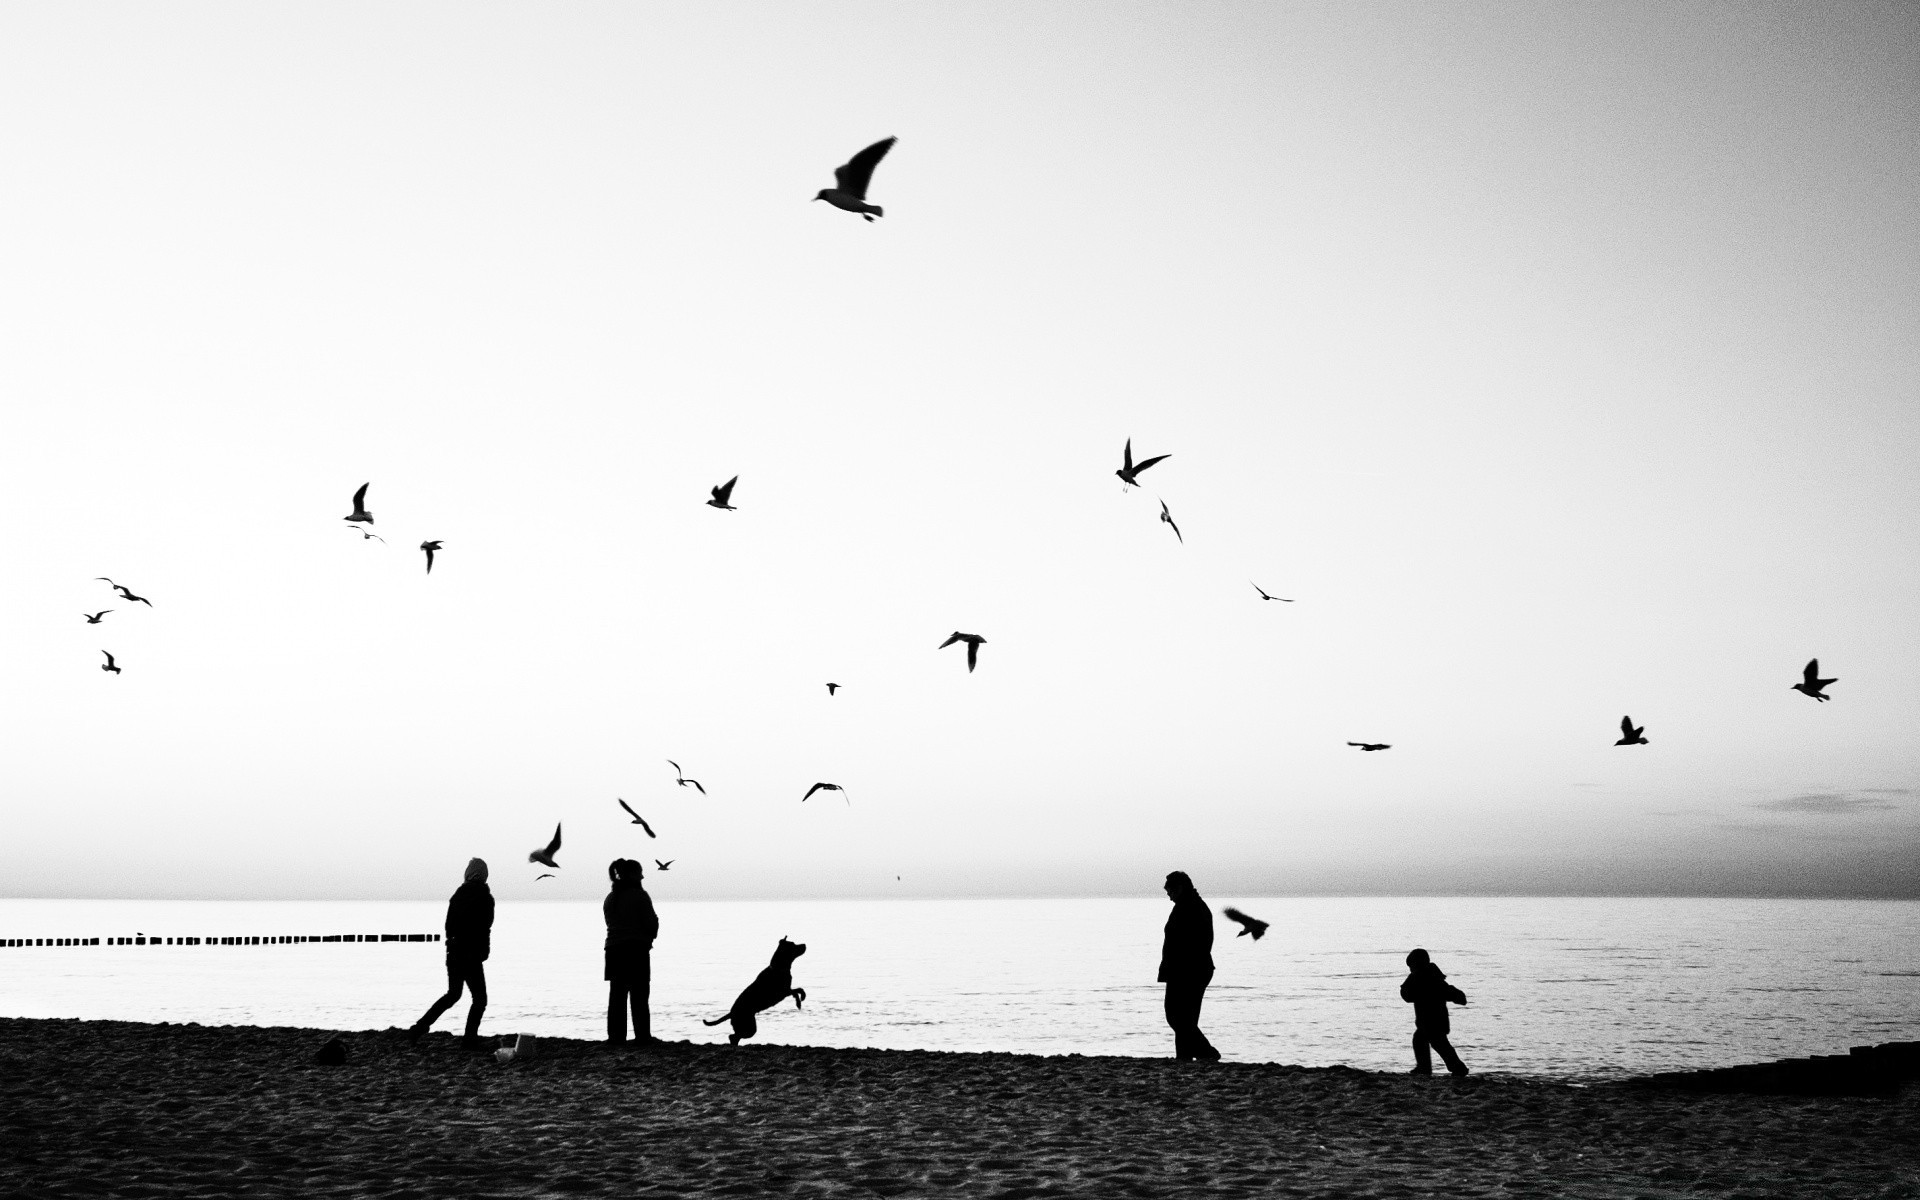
476	870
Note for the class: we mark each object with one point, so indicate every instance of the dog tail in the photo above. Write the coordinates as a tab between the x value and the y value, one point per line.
717	1020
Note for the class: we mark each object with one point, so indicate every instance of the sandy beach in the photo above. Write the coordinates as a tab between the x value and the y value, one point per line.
123	1109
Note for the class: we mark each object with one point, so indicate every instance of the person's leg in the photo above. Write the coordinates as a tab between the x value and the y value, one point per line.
639	995
1447	1054
477	984
617	993
1183	1016
443	1003
1422	1054
1202	1048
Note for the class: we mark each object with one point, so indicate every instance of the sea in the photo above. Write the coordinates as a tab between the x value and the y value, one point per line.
1566	988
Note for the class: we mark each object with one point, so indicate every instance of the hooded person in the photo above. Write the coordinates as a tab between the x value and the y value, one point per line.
1186	967
631	927
469	941
1427	989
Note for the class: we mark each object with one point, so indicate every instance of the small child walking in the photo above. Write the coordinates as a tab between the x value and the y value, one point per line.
1428	991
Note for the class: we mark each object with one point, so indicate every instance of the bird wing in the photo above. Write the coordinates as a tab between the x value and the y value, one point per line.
1141	466
697	787
629	808
810	791
543	875
854	177
950	641
1626	724
1812	674
725	491
360	498
553	847
109	657
644	825
1356	743
663	865
1126	457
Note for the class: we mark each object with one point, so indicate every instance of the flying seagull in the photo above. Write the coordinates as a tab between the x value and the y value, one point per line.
543	875
826	787
723	494
366	533
108	665
1630	733
664	865
850	181
681	779
973	641
1372	745
429	547
637	818
130	597
1812	684
1248	925
1129	469
832	688
94	618
360	512
545	857
1168	518
1264	596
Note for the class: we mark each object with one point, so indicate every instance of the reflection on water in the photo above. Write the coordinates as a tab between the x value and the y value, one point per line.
1560	987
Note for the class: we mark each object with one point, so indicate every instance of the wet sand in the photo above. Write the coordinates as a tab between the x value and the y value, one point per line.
120	1109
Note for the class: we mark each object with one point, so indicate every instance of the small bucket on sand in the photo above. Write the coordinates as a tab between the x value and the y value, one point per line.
522	1048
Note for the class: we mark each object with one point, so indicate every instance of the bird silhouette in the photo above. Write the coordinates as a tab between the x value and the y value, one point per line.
543	875
664	865
429	547
850	181
94	618
973	641
1168	518
1264	596
360	512
826	787
366	534
637	818
723	494
545	857
832	688
682	780
1372	745
1812	684
108	665
1248	925
133	599
1630	733
1129	469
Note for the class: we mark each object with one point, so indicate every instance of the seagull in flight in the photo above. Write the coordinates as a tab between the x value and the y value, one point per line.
723	494
832	688
1129	469
131	598
1264	596
367	533
545	857
1248	925
1630	733
94	618
682	780
637	818
360	512
973	641
429	547
1168	518
664	865
543	875
1812	684
1372	745
826	787
850	181
108	665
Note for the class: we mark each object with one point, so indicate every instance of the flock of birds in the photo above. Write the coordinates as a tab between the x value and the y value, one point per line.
849	193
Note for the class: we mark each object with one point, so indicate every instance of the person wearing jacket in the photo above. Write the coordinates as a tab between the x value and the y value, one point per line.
631	928
1427	989
1186	967
469	940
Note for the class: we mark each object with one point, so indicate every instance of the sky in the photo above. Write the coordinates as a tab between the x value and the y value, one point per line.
1555	362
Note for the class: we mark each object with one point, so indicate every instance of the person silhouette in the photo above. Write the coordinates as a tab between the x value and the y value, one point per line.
1186	967
1427	989
631	928
469	941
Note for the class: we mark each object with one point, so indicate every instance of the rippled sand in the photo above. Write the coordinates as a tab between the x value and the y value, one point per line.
111	1108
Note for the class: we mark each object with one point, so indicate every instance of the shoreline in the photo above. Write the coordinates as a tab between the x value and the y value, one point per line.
100	1108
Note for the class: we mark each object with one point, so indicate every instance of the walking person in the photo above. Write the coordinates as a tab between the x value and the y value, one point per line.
1186	967
469	940
1427	989
631	928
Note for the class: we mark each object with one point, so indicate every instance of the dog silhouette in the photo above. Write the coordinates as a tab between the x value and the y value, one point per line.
768	988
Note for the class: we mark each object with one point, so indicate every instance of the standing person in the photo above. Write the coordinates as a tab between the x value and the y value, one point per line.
1186	967
1427	989
469	940
631	928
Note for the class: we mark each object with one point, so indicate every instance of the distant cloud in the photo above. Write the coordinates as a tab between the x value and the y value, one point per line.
1834	803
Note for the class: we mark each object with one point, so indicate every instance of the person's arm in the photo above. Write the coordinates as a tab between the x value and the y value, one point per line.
1406	989
652	921
1456	995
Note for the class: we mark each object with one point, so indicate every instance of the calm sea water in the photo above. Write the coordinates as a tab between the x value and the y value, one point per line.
1562	987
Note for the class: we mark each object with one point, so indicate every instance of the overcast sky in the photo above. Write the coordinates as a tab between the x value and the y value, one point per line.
1558	361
